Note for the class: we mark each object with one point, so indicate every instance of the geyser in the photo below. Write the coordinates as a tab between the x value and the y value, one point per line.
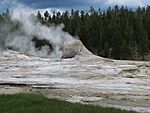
24	33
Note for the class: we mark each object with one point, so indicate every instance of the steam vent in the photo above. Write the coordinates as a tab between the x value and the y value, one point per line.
69	49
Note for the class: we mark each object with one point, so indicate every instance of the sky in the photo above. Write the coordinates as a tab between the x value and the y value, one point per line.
73	4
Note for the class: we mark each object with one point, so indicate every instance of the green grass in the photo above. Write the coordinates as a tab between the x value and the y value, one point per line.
32	103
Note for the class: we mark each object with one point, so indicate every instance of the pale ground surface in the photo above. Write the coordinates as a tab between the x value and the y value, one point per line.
85	78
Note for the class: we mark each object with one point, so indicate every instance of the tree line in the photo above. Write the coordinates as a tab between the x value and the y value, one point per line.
119	32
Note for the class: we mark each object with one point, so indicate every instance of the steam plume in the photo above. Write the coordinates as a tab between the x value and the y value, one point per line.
21	39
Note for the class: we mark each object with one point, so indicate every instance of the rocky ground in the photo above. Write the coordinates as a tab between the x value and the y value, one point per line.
86	78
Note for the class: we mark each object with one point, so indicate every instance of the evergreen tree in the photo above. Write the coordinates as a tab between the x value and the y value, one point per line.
117	44
46	15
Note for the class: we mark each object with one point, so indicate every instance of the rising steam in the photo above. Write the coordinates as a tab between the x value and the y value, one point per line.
22	39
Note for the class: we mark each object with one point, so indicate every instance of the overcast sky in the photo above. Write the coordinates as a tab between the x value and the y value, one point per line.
75	4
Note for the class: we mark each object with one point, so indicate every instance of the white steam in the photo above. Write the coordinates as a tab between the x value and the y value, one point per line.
21	39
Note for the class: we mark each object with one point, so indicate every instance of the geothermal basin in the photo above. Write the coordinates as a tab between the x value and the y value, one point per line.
78	76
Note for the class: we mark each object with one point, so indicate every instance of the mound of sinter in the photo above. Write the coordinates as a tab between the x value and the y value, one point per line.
72	48
69	49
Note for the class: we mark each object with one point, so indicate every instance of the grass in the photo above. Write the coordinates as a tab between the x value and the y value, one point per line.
33	103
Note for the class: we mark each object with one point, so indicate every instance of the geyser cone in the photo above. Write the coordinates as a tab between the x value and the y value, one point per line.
72	48
27	35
